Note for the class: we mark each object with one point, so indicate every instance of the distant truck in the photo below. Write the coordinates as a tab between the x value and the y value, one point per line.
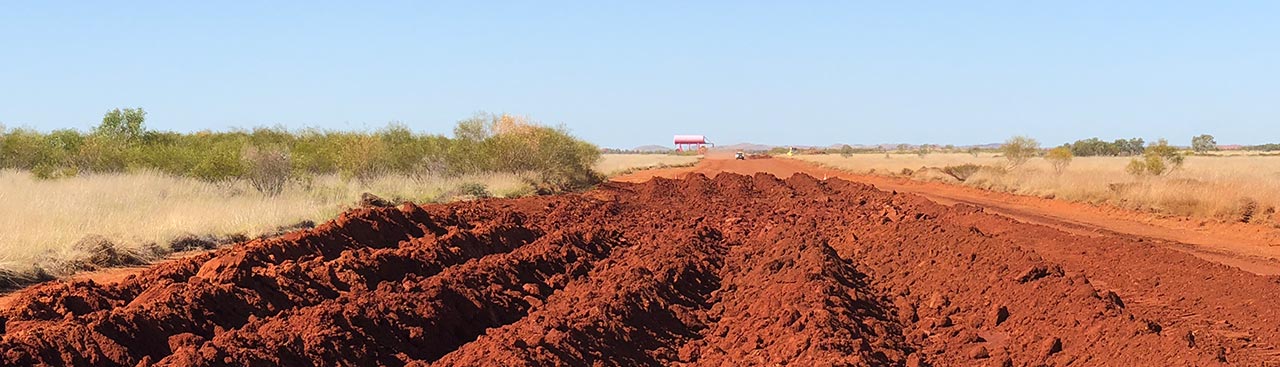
740	155
692	143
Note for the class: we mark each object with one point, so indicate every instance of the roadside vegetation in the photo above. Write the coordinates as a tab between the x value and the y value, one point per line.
123	194
1196	181
271	158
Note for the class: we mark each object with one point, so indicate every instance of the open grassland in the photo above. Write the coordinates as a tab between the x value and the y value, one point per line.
614	164
1230	188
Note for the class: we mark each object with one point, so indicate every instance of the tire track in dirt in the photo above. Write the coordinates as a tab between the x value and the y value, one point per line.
650	307
729	270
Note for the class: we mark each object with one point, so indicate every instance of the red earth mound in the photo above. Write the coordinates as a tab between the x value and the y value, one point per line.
735	270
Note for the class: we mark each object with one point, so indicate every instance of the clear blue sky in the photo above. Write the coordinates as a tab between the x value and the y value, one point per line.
632	73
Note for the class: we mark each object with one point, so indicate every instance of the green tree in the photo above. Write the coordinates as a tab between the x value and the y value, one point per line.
1133	146
126	124
846	151
1096	147
362	158
473	129
1203	143
1060	158
1018	149
1159	159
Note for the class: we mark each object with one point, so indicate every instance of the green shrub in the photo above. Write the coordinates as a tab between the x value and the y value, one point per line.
846	151
1159	159
23	149
361	158
474	189
103	154
1060	158
1017	150
267	169
50	172
219	161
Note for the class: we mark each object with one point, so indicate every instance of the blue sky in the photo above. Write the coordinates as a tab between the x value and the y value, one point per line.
623	74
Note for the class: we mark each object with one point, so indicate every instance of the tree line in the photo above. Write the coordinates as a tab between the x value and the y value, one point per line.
270	157
1153	159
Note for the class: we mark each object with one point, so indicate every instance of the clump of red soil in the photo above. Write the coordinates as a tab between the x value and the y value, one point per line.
735	270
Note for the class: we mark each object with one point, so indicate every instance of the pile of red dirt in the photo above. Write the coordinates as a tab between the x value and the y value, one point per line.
735	270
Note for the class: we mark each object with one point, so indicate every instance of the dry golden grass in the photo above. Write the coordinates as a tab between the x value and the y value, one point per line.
613	164
41	219
1231	188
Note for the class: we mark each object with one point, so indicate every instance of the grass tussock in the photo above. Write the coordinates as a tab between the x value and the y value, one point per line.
1228	188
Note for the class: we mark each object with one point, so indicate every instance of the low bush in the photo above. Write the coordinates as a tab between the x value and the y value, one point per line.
1159	159
1059	158
267	169
1017	150
474	189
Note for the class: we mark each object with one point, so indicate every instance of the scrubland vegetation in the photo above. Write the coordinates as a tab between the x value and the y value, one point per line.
122	194
271	158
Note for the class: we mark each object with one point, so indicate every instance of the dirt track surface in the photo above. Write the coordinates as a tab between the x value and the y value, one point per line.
724	271
1250	247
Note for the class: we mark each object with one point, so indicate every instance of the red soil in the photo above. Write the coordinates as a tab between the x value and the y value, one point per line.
1252	247
731	270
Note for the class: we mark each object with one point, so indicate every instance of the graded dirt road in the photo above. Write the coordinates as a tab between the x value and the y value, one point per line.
727	270
1253	248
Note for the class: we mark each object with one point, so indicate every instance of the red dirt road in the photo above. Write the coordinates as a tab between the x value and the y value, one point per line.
723	271
1253	248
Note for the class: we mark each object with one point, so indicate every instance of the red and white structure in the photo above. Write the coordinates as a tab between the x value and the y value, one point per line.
692	142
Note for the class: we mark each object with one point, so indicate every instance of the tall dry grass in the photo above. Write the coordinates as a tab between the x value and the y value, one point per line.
1229	188
614	164
41	220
